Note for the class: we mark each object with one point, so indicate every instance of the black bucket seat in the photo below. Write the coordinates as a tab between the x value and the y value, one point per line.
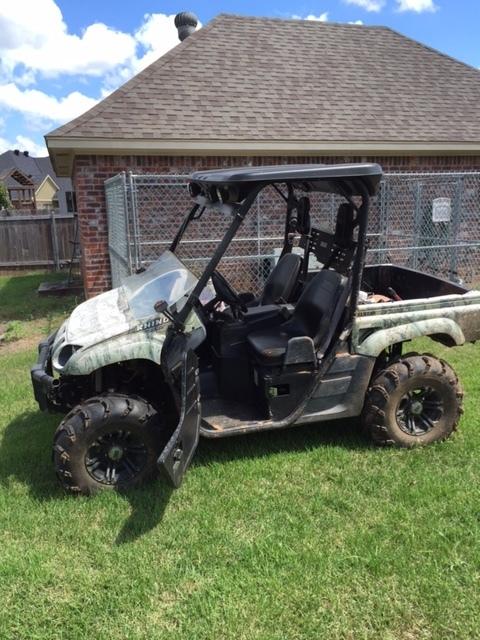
312	317
280	284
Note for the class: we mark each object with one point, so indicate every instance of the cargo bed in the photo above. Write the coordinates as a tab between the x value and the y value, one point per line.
420	305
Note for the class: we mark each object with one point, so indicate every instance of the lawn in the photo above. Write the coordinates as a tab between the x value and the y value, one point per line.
23	313
306	533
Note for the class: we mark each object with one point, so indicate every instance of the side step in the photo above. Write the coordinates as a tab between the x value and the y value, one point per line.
220	415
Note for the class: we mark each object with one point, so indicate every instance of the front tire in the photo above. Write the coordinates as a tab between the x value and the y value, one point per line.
415	400
108	442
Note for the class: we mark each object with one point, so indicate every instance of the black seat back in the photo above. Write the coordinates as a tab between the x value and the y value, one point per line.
344	226
317	304
303	216
281	282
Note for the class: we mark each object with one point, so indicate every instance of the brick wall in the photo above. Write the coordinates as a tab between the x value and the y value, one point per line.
90	173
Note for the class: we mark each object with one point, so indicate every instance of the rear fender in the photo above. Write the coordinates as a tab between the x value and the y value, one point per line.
377	342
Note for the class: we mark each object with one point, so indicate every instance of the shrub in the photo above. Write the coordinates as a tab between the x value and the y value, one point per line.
4	199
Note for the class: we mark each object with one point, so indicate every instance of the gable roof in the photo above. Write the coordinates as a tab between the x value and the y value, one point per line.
14	178
48	179
29	166
36	169
262	85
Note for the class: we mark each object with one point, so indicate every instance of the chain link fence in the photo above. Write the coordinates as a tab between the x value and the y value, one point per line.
425	221
119	215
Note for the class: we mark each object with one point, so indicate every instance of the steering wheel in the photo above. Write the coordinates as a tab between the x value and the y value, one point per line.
225	292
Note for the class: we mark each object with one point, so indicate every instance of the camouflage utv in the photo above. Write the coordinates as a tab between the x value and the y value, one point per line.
145	369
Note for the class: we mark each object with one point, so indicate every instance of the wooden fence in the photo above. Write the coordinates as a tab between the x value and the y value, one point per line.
37	240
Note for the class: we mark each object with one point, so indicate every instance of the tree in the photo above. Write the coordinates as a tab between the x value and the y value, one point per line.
4	199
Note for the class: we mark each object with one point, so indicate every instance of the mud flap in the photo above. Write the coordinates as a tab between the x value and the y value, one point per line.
177	454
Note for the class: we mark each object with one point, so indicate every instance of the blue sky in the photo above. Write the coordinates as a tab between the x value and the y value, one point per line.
58	57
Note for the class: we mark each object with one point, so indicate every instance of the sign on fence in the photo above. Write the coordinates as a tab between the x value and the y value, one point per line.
442	210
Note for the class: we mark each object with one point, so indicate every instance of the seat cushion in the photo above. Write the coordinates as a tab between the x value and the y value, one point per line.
269	345
312	318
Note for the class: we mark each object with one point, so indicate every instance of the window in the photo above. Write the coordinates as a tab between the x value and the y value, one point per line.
71	201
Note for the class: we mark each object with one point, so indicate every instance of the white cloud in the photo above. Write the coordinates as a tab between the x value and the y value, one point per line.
416	5
157	35
36	45
356	22
323	17
35	37
24	144
27	144
39	43
368	5
32	102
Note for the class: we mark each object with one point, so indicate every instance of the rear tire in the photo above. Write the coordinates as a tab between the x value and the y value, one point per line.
415	400
108	442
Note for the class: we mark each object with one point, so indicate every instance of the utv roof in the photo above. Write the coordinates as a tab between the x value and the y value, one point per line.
335	178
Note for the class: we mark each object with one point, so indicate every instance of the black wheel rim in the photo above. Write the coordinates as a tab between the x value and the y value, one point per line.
116	457
419	410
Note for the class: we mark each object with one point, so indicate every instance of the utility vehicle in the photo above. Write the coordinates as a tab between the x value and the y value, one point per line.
145	369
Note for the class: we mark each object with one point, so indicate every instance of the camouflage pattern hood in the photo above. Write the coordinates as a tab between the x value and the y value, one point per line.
99	318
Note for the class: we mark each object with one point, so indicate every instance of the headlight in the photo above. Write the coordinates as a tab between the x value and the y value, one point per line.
66	353
194	189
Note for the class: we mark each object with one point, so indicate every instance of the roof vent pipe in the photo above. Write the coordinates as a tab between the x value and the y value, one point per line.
186	24
17	152
26	154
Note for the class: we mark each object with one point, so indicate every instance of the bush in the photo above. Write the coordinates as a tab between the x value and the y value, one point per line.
14	331
4	199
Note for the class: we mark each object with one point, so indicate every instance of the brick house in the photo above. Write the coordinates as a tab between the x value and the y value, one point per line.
260	90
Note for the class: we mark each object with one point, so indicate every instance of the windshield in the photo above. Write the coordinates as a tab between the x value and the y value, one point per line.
165	279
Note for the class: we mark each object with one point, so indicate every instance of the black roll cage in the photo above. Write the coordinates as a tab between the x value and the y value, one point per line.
241	209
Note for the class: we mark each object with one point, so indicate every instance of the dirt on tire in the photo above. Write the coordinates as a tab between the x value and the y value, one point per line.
93	420
398	382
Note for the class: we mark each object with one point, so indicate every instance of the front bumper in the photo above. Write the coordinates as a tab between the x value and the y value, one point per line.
43	381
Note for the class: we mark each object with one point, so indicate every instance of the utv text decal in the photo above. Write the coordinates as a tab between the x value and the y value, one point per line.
151	325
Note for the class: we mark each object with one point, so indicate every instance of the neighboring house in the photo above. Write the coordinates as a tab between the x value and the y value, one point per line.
46	195
20	188
257	90
32	184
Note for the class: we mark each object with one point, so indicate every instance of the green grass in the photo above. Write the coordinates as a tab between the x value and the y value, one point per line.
14	330
23	313
307	533
19	300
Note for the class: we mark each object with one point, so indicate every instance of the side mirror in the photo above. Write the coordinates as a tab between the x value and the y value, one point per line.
161	306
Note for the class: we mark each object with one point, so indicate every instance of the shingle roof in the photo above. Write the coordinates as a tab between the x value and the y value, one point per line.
37	169
26	164
266	79
14	178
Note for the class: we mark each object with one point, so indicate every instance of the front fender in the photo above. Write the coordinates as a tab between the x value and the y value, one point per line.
132	346
142	343
377	342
